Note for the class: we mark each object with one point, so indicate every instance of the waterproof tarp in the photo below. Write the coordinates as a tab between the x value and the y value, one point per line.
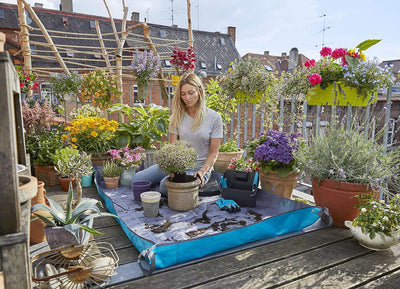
175	237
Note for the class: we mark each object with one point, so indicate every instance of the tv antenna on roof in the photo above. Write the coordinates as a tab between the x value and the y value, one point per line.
323	30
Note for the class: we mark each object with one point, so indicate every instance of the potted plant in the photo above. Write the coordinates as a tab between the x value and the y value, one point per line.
348	75
273	151
240	164
147	127
129	159
27	81
144	66
111	173
377	226
183	61
94	135
64	85
64	167
226	152
69	227
176	159
342	164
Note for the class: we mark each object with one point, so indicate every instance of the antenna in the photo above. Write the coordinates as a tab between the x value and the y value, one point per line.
323	30
172	12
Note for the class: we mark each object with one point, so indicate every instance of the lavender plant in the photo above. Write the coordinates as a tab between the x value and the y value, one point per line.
274	151
176	158
145	66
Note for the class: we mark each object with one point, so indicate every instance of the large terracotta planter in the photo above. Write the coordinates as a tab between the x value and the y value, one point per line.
64	182
224	159
339	198
98	160
183	196
274	183
37	234
46	174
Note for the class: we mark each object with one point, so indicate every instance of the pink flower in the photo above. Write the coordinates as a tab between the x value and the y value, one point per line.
309	63
339	52
325	51
315	78
231	166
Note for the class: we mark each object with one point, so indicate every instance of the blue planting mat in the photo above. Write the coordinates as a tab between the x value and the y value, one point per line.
175	237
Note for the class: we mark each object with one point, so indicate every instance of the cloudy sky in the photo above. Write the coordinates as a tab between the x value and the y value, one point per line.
271	25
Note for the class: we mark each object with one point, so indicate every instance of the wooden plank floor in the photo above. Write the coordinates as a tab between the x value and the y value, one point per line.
327	258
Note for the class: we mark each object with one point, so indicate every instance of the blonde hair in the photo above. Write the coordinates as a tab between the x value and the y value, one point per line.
178	106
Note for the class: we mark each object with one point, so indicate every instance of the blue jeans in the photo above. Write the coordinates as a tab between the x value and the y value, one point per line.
156	176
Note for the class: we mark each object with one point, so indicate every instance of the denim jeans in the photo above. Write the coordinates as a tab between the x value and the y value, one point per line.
156	176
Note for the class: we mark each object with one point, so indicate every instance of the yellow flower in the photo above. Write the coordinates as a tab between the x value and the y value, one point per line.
64	137
74	146
74	139
94	134
362	56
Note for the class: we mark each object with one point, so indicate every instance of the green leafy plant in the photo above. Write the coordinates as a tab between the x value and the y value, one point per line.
111	169
176	158
378	216
72	219
62	84
229	147
71	163
146	127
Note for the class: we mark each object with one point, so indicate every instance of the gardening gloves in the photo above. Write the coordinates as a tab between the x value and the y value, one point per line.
228	205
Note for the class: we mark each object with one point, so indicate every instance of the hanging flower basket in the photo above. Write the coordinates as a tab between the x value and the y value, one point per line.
340	95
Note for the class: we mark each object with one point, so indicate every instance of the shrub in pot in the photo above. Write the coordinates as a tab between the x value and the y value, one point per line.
111	173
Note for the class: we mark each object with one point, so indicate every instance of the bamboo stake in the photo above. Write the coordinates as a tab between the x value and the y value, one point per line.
103	49
47	37
24	34
190	32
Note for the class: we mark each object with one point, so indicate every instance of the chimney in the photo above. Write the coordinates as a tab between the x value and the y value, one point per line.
39	5
174	26
232	33
66	6
283	54
135	17
266	52
293	58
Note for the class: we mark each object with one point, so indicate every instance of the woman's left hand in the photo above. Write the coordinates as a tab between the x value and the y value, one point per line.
200	174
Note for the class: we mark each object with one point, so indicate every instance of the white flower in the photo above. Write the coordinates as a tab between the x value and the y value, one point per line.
385	219
363	210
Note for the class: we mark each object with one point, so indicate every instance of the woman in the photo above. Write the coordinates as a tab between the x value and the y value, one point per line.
193	122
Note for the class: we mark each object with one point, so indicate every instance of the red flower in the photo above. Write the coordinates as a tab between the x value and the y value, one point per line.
339	52
183	60
21	85
309	63
315	78
326	51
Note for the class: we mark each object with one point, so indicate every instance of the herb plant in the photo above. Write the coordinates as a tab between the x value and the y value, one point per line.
176	158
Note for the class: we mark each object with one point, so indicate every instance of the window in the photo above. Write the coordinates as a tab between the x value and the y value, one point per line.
167	63
391	125
219	66
69	53
268	68
92	24
203	65
162	33
1	12
170	91
33	49
222	41
136	95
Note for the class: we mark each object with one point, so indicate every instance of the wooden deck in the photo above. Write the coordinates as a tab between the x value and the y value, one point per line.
327	258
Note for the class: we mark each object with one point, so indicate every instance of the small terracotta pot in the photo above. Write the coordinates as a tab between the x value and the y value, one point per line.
64	182
111	182
37	234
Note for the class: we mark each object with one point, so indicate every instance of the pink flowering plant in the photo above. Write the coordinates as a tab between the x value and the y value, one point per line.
183	60
351	67
127	157
274	150
239	164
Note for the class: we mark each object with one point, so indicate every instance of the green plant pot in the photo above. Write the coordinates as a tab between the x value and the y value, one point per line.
86	181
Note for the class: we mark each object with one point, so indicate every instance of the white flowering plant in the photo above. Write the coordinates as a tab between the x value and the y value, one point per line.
176	158
378	216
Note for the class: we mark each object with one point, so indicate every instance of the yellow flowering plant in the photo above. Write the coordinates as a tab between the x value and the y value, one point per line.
100	88
93	135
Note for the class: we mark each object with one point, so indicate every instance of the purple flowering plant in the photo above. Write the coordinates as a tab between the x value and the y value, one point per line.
127	157
145	66
176	158
274	151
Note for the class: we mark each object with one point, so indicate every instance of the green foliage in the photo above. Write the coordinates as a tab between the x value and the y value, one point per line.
248	81
176	158
378	216
72	220
220	102
229	147
62	84
72	164
42	146
111	169
146	127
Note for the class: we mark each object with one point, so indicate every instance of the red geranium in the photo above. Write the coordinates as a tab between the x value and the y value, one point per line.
183	60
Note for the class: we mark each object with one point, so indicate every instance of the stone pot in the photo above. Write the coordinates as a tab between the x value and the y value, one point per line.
126	176
27	188
151	203
224	159
183	196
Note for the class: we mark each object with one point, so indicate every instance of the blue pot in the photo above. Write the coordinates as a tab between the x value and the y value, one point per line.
86	181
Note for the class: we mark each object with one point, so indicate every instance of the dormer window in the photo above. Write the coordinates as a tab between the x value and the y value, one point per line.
167	63
268	68
203	65
70	53
222	41
162	33
219	66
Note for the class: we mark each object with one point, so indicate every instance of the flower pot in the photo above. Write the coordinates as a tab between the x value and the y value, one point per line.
98	160
27	188
183	196
274	183
138	188
180	178
46	174
151	203
380	242
175	79
338	94
339	198
224	159
126	176
142	92
111	182
86	181
36	233
64	182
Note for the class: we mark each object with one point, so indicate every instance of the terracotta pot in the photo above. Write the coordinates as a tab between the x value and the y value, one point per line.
224	159
111	182
64	182
37	234
98	160
339	198
274	183
183	196
46	174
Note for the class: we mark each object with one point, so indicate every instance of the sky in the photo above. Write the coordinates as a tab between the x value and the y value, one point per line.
270	25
